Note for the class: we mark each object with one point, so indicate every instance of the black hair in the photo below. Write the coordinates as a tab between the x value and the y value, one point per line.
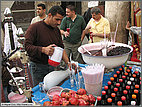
41	5
95	10
57	9
71	7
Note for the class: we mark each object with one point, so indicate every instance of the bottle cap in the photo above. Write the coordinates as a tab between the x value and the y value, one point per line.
112	79
133	96
122	66
132	79
125	91
118	84
136	91
129	82
123	76
119	103
99	98
130	67
115	89
113	94
120	69
118	72
125	73
136	72
127	87
115	75
134	75
128	70
136	86
109	100
120	80
105	87
123	98
140	78
103	92
109	82
133	103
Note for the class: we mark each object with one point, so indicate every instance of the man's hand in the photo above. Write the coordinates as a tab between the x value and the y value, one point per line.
66	34
128	25
49	50
72	66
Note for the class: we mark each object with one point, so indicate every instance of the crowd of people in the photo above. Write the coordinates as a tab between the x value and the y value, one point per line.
43	35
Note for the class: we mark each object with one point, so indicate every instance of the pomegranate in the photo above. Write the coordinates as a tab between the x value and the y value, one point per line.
55	103
65	103
72	92
56	98
81	91
82	102
62	99
91	98
80	96
85	97
46	103
73	95
73	101
67	95
63	94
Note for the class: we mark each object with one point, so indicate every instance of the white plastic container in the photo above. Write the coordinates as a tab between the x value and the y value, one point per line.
55	59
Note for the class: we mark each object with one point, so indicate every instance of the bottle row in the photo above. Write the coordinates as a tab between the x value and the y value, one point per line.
122	89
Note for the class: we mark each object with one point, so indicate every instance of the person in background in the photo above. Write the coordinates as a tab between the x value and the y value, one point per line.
134	29
41	13
87	14
97	25
72	38
40	40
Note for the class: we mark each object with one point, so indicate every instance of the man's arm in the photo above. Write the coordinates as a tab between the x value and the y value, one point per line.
83	35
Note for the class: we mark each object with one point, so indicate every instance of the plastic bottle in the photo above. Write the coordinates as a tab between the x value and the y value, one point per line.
103	101
99	100
109	101
118	74
119	103
112	83
137	93
127	77
114	98
124	101
125	93
115	78
133	98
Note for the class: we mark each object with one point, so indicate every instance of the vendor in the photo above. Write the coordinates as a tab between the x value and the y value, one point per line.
40	39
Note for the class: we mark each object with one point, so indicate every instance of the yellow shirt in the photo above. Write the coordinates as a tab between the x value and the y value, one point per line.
98	27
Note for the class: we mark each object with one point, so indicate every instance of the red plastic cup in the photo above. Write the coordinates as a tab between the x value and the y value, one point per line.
68	30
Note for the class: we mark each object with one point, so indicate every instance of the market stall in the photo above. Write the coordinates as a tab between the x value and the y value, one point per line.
40	97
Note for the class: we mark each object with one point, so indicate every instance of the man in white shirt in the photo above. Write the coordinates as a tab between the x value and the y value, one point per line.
41	9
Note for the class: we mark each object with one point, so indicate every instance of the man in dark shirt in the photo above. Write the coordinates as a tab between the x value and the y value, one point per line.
72	39
40	39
